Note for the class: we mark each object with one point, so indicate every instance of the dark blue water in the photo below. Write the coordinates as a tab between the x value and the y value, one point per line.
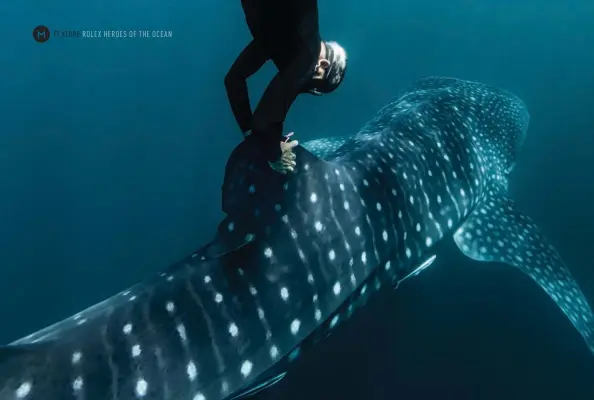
112	154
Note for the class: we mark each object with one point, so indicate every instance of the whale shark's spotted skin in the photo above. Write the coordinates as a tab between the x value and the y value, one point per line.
296	255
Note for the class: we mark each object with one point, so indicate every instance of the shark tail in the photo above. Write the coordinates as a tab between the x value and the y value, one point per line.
497	231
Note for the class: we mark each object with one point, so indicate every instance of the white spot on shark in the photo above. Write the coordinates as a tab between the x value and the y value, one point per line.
246	368
77	384
141	387
76	357
336	288
23	390
170	307
127	329
295	325
273	352
284	293
331	255
136	350
192	371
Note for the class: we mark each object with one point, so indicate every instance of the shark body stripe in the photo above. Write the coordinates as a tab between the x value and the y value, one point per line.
297	255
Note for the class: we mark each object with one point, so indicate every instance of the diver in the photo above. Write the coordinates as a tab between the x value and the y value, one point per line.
286	32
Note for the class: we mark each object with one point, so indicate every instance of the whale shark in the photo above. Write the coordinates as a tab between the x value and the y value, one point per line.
297	255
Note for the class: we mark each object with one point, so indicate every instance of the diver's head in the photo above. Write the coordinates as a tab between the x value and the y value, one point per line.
329	70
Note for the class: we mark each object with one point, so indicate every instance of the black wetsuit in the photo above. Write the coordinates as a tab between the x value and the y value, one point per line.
286	32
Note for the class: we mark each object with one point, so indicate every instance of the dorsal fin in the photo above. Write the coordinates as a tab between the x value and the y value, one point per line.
252	192
249	184
253	197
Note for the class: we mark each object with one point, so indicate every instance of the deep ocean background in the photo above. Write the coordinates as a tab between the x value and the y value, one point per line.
112	155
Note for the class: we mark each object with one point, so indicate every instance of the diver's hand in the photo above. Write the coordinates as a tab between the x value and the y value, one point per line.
287	147
286	162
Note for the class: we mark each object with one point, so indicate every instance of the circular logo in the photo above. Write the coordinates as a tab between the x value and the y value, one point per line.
41	34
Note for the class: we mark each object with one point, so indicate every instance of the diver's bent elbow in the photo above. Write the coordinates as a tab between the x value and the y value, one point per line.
232	80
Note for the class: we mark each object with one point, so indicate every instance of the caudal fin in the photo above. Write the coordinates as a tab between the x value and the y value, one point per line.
497	231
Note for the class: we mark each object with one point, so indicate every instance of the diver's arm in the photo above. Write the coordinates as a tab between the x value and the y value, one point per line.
247	63
274	105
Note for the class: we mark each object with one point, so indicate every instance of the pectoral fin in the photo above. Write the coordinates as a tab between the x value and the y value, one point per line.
497	231
258	387
231	236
